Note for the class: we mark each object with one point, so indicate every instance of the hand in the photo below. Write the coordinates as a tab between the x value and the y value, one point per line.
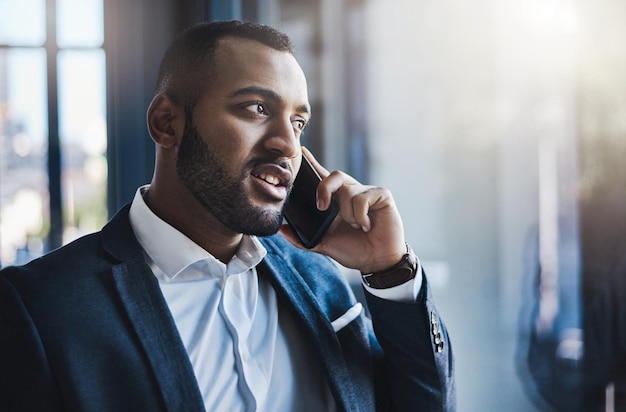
367	233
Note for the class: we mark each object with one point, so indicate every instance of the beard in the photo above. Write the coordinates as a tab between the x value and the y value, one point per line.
221	194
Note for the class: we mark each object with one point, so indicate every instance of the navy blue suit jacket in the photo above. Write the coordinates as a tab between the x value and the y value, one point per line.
86	328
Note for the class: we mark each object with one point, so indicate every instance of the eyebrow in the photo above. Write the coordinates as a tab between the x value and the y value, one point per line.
268	94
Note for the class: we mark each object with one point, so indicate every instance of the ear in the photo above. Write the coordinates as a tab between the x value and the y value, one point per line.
166	121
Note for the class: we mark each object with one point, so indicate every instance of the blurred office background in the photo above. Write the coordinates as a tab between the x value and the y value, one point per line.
499	125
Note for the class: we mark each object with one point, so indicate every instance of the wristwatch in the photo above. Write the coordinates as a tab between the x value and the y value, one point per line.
398	274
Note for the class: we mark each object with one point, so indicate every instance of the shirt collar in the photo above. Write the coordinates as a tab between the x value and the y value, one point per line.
172	252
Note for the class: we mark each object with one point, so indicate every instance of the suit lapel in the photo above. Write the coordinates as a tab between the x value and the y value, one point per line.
292	290
148	312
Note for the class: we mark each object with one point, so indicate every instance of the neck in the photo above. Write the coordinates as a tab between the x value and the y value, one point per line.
195	222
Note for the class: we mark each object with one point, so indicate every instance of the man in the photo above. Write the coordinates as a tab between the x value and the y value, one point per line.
188	299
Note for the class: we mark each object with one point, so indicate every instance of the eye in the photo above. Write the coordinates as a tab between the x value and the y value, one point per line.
258	108
299	123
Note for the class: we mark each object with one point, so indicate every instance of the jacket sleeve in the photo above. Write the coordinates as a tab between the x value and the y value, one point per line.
417	366
26	382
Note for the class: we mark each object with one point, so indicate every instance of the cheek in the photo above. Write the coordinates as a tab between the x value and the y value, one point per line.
233	154
223	140
233	140
231	150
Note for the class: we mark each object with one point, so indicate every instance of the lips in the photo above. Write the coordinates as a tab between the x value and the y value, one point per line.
273	180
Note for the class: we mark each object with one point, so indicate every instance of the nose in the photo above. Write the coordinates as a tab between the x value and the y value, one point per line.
283	139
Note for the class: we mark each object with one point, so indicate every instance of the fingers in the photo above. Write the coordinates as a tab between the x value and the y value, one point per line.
356	201
338	185
321	170
322	197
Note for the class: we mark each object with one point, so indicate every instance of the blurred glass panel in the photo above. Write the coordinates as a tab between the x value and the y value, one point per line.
82	131
24	218
79	23
23	22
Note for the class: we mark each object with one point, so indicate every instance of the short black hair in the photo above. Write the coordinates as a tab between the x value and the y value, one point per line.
187	60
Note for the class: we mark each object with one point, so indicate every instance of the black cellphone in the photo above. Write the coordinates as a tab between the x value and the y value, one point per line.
301	213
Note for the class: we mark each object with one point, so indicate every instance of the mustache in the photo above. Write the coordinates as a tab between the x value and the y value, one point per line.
251	164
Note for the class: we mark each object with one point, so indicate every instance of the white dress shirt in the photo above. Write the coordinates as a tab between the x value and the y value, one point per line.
246	353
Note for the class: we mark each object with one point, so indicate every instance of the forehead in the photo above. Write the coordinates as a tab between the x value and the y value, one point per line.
240	63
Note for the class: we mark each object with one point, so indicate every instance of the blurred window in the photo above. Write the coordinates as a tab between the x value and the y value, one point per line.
53	168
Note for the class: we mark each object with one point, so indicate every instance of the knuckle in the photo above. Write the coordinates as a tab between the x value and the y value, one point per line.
337	174
359	202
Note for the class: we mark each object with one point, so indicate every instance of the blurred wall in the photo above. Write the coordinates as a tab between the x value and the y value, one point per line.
474	123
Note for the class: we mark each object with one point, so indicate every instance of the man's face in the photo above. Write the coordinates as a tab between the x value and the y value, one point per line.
241	151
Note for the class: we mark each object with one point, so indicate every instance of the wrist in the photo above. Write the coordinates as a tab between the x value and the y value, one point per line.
399	273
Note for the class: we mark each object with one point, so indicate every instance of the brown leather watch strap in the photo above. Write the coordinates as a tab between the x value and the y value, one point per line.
398	274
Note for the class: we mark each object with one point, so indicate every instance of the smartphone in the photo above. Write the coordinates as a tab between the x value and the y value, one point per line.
301	213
